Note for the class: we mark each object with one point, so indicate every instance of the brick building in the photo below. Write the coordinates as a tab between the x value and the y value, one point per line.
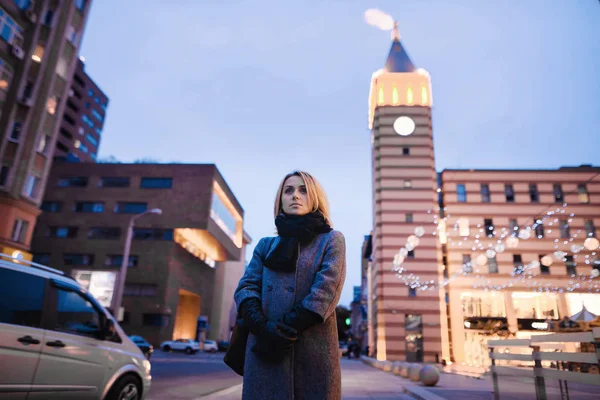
82	120
39	43
179	260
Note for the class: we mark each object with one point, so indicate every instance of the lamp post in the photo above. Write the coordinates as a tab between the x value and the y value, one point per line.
118	297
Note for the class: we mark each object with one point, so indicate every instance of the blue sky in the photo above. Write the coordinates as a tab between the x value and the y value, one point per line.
261	88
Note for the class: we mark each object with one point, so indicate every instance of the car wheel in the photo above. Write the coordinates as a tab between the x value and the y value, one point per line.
167	348
126	388
188	350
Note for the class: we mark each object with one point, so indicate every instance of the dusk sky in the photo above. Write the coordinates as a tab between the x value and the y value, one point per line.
261	88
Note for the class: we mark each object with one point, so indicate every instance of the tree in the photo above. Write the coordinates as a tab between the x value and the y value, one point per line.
109	160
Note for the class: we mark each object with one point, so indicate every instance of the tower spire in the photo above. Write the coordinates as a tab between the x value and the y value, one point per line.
395	32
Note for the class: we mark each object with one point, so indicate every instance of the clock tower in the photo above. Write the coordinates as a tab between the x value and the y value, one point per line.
408	324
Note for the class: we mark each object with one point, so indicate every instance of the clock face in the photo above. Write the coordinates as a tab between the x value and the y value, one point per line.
404	126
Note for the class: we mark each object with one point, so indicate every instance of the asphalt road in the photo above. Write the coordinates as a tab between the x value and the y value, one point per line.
177	376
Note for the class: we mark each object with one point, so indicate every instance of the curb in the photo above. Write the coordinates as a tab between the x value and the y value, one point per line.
421	393
220	392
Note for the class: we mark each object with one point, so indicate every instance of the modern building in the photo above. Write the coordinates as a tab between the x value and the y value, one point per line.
82	120
39	43
464	256
180	260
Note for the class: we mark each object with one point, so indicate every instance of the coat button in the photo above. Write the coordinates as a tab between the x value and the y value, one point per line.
290	289
270	288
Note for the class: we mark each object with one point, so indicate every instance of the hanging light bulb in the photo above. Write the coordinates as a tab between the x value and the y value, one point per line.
481	260
512	242
547	260
591	243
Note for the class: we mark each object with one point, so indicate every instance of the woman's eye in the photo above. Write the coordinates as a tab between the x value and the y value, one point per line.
289	191
303	190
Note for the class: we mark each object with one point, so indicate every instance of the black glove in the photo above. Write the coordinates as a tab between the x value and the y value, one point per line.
251	311
300	318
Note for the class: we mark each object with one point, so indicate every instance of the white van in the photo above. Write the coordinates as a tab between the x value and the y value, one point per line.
58	342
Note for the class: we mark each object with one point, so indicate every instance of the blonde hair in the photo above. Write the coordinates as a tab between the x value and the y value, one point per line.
317	199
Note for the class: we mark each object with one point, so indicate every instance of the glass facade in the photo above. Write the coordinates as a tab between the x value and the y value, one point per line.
223	217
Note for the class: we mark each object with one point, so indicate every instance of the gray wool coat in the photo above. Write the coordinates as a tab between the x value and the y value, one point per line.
311	371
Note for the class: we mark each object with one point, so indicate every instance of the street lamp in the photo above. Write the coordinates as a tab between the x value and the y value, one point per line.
118	299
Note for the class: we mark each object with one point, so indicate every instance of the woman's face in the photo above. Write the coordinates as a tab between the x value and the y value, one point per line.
294	199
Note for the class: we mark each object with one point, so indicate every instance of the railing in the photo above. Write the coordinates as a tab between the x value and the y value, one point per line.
532	351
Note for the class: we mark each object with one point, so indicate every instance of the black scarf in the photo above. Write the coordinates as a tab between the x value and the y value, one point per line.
294	230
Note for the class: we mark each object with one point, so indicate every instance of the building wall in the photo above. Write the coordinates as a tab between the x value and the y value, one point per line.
37	67
84	116
518	301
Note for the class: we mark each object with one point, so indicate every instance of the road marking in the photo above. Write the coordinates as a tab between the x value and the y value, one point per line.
222	392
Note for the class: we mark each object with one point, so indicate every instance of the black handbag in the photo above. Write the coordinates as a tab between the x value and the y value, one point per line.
235	356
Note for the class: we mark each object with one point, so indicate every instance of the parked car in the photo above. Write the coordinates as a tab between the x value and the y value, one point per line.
188	345
223	345
210	346
59	341
143	344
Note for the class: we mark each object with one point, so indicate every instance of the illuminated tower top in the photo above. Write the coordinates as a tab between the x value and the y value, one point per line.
399	83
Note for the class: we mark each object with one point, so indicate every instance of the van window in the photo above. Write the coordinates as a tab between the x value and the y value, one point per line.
21	298
76	315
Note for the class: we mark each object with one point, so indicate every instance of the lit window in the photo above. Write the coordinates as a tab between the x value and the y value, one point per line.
424	96
77	143
221	214
51	105
407	183
61	68
409	96
463	227
38	54
380	97
43	144
584	196
395	95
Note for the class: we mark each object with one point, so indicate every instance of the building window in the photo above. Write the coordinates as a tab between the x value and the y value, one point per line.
4	175
91	139
48	17
19	231
485	193
31	186
41	258
539	229
424	96
489	227
80	4
97	115
409	96
115	260
73	182
413	336
86	120
544	270
559	196
565	231
534	194
513	227
9	30
62	67
43	144
104	233
571	265
463	227
152	234
411	254
114	182
518	264
78	259
395	97
38	54
461	193
62	231
380	97
509	192
52	206
89	207
492	265
157	320
23	4
408	217
407	184
15	132
51	104
584	196
130	208
139	289
406	151
221	214
156	183
412	292
466	261
590	229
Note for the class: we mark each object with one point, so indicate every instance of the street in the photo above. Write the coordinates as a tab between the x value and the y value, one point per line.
178	376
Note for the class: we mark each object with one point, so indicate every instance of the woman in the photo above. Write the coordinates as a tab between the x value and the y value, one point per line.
287	298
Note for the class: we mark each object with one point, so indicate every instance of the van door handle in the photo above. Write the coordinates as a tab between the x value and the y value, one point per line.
28	340
56	343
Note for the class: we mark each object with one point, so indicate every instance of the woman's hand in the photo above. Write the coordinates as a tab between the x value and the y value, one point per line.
275	341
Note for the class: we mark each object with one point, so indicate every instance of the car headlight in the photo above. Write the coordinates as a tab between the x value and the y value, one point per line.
147	366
